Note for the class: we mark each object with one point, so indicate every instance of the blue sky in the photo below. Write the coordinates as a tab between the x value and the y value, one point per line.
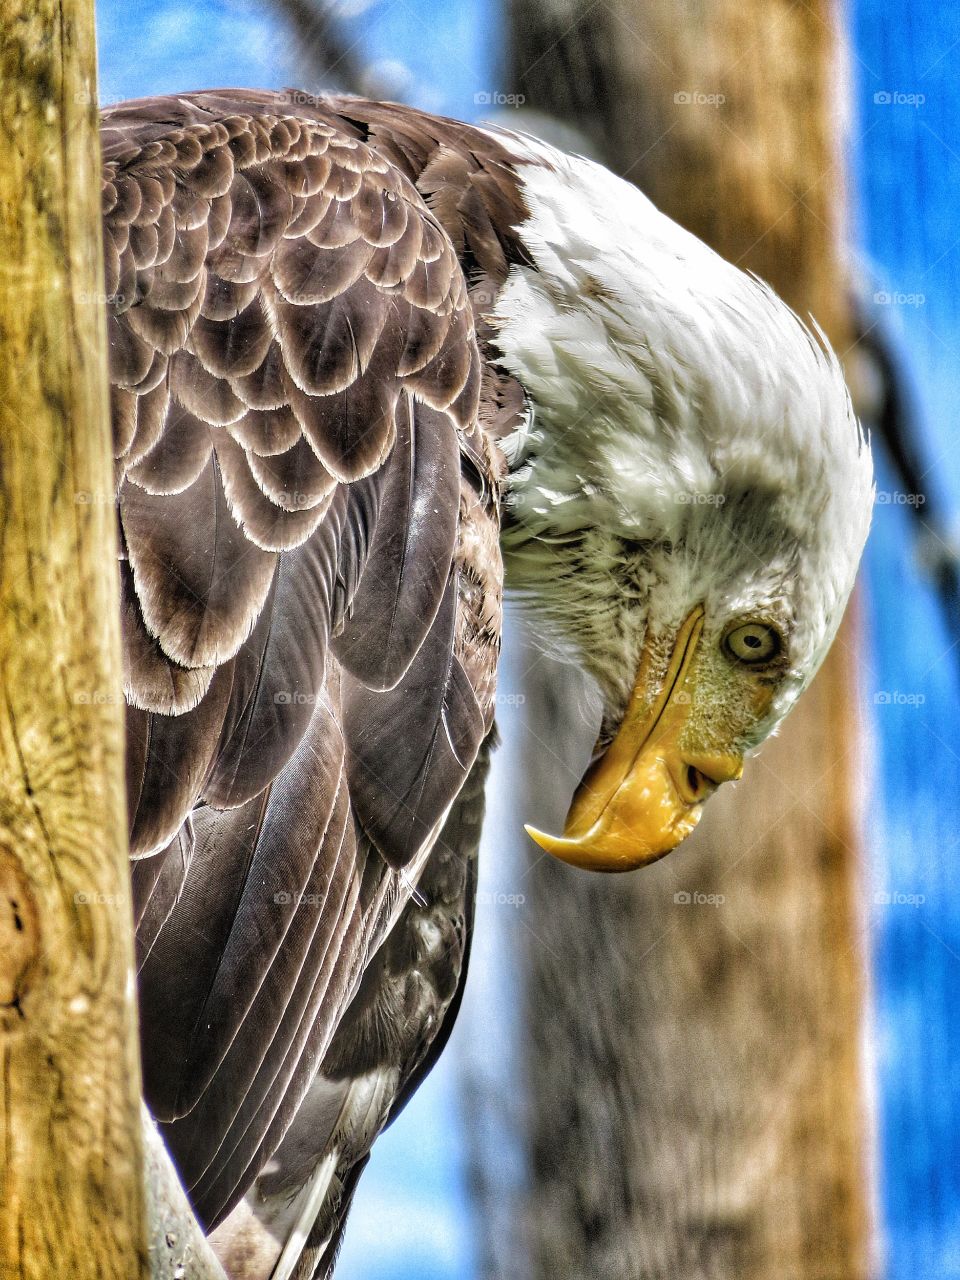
906	158
161	46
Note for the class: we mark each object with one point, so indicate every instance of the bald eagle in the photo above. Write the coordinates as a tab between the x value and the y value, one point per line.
364	362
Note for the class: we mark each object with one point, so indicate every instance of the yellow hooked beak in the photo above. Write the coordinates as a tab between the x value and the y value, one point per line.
640	798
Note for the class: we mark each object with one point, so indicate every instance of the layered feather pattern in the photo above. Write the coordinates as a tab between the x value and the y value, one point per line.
310	581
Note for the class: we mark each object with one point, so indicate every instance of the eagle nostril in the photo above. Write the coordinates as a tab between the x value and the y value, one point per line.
705	771
697	782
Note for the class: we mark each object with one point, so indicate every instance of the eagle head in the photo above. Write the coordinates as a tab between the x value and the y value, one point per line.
687	500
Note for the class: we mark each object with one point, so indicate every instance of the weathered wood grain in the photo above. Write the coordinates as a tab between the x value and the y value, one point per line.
71	1189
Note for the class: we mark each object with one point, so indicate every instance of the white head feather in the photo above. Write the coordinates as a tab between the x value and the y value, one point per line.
690	440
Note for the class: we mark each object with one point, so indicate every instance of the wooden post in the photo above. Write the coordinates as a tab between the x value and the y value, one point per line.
696	1108
71	1185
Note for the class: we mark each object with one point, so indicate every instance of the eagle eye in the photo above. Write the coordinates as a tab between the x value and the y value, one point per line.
752	643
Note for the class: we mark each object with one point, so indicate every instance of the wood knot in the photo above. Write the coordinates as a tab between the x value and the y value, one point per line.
19	939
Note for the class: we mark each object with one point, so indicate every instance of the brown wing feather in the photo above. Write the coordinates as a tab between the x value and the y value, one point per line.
280	293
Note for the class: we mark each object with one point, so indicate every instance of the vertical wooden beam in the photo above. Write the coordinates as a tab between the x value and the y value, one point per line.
71	1187
696	1097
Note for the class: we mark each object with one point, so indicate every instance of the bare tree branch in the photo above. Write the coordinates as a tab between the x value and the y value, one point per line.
328	60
